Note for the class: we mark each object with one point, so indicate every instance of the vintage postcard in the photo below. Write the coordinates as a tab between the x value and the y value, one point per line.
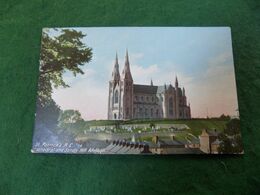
137	90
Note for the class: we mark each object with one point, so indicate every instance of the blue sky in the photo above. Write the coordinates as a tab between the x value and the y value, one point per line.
200	57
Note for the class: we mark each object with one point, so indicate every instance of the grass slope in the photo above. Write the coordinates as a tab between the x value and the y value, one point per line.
196	125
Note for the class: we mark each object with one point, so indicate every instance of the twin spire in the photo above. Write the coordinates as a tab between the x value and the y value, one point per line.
127	58
115	73
177	85
116	63
126	74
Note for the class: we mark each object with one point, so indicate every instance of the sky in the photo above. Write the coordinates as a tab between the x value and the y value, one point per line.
201	58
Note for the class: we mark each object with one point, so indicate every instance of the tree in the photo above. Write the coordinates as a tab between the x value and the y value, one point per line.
232	127
225	146
71	122
49	115
59	54
68	117
46	121
230	145
224	117
230	139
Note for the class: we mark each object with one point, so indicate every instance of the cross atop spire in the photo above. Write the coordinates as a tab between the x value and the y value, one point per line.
176	82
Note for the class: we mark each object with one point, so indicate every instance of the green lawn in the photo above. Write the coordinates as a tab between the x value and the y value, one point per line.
195	125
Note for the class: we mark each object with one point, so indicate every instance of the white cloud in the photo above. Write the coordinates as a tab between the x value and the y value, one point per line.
215	91
85	96
87	74
136	56
160	76
143	75
69	78
221	59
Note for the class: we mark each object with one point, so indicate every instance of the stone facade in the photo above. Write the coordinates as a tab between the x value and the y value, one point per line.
209	142
127	100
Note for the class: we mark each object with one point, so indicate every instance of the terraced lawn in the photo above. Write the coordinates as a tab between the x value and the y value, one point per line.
195	125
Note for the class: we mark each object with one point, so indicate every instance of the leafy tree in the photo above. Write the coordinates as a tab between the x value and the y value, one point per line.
59	54
230	139
70	121
224	117
232	127
46	122
49	115
225	146
68	117
238	147
230	145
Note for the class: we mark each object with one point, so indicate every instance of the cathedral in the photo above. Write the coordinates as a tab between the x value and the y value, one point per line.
127	100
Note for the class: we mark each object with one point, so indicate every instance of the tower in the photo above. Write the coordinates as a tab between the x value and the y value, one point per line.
177	102
189	111
127	100
114	100
184	97
127	90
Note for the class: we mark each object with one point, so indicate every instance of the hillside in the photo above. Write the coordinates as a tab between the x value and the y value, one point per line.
196	125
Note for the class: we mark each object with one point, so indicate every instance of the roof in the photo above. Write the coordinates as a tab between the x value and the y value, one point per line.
216	142
213	133
160	89
206	132
170	143
151	89
193	141
148	89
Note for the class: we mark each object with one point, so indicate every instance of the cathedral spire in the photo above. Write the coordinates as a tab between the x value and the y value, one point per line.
126	74
126	57
115	73
176	82
183	91
116	59
151	82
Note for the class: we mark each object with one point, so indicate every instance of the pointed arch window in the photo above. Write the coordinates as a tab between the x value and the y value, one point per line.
116	97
